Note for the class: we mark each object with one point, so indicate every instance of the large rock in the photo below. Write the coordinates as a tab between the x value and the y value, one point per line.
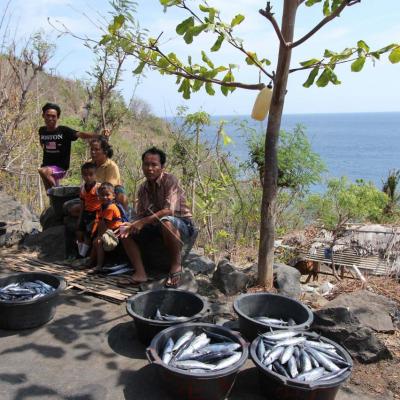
198	263
287	280
229	280
48	218
19	220
50	243
372	310
343	326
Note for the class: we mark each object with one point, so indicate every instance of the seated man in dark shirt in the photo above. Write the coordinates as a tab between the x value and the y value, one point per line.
56	143
161	206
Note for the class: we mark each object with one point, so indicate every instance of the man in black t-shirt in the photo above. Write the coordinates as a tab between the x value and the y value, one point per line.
56	143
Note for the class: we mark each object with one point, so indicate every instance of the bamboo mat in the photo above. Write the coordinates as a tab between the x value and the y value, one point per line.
97	285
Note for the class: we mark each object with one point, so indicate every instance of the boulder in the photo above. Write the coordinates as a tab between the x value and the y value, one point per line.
343	326
229	280
198	263
287	280
16	219
372	310
50	243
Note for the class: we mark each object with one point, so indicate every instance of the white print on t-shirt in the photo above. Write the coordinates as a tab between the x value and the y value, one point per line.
52	137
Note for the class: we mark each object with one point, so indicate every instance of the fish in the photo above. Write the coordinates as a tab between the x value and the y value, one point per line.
295	357
192	364
280	335
197	352
182	340
167	354
292	367
217	336
272	321
228	361
322	360
312	375
24	291
287	353
273	355
166	317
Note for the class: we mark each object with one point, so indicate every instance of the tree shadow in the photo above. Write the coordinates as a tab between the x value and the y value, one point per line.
44	350
13	379
123	340
142	384
246	386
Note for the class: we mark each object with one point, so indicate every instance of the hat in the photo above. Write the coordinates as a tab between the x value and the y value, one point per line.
110	241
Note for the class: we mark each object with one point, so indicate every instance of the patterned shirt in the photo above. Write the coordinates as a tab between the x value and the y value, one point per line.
165	194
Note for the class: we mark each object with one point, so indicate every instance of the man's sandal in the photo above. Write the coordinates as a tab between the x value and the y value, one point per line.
172	276
128	282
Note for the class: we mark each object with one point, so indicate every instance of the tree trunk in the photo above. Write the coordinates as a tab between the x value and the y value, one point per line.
270	184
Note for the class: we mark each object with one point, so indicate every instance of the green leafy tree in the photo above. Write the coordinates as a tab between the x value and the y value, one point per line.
390	188
193	76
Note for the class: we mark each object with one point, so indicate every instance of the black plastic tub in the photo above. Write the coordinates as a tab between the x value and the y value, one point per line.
61	194
272	305
186	385
143	307
277	387
31	313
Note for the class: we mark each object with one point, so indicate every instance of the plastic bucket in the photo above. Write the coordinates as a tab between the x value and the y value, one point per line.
194	386
61	194
31	313
272	305
276	386
143	307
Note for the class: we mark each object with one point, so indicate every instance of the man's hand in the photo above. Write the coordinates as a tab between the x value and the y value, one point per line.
123	230
137	226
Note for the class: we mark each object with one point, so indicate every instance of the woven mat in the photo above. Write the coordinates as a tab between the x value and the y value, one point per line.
100	286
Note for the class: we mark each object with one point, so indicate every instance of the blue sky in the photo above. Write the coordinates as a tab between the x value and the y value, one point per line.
376	88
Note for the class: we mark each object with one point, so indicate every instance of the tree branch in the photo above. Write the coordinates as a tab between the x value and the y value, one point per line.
327	19
270	17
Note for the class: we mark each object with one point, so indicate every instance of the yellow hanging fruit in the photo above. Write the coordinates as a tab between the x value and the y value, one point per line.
262	103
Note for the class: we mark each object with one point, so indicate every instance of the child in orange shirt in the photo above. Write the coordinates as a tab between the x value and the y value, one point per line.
90	204
108	217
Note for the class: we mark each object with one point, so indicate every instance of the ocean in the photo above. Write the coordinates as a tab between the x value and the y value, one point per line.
357	145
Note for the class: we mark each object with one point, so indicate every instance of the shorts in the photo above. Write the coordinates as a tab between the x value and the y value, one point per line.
57	172
86	222
184	225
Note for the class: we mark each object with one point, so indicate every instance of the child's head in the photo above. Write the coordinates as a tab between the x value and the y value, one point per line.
106	192
88	171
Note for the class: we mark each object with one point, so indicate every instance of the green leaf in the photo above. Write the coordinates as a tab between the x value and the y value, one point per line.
225	137
209	89
196	30
329	53
204	8
334	79
324	78
185	89
311	77
188	37
237	20
394	56
224	90
183	27
362	45
326	10
309	62
217	45
310	3
206	59
118	21
357	65
197	85
386	48
139	68
104	40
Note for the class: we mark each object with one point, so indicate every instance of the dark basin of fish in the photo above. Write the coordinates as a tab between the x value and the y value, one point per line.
24	291
296	357
201	351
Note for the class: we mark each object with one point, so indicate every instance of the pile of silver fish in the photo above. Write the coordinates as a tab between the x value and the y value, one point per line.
294	356
275	321
167	317
201	352
23	291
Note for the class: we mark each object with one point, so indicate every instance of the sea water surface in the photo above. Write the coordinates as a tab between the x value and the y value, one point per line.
357	145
